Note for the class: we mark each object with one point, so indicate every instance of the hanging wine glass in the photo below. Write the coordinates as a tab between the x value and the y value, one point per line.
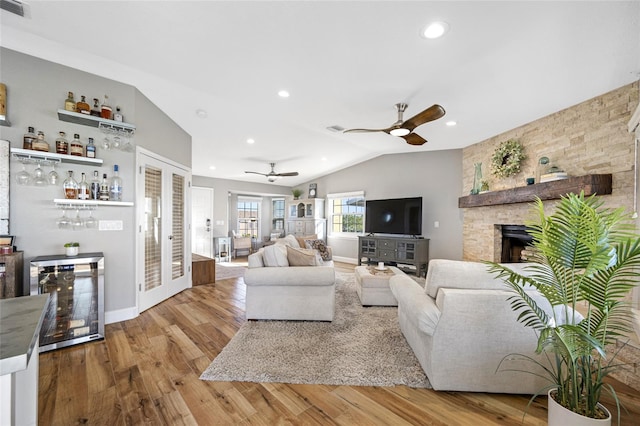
23	177
64	222
127	147
54	178
116	142
77	222
38	174
106	142
91	222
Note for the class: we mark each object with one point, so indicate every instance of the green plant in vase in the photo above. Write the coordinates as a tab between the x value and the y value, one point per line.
296	193
582	255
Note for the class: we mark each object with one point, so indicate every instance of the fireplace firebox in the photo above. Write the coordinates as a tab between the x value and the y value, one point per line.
515	239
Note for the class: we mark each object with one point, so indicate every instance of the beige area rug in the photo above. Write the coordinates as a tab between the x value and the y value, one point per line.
226	270
361	347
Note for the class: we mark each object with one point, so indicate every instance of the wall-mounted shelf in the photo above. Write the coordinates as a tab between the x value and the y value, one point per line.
70	202
52	157
590	184
91	121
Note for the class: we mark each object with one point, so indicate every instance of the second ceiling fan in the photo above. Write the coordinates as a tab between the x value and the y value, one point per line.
404	129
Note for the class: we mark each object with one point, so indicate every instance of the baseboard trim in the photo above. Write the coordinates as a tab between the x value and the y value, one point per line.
120	315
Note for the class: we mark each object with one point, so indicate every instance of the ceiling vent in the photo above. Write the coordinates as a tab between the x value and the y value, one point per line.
13	6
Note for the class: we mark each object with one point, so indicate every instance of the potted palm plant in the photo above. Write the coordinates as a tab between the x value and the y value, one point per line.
586	258
296	193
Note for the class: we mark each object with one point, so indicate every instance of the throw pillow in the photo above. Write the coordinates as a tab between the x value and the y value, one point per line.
301	257
320	246
306	237
289	240
275	255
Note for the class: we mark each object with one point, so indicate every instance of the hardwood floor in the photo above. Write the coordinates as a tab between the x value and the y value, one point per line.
147	371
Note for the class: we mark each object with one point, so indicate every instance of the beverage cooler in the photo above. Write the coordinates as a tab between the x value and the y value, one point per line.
75	284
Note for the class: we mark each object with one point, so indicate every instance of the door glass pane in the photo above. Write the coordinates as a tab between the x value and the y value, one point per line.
177	227
152	228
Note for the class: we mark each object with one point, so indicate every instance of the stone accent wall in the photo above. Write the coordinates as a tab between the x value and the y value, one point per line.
588	138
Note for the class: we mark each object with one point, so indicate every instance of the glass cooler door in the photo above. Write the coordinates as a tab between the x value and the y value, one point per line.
75	285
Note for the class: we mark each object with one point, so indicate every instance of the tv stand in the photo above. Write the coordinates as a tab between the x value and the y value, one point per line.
395	251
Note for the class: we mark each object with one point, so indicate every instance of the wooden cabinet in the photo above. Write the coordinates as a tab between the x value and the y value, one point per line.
306	217
11	281
402	252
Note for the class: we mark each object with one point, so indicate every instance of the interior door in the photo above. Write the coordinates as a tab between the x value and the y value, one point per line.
201	217
164	246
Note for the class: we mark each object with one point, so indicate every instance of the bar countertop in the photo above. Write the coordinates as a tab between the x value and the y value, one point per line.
20	322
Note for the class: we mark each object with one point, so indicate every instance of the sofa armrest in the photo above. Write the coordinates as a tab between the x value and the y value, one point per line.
417	305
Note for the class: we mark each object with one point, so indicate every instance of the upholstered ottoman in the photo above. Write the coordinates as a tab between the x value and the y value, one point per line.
372	285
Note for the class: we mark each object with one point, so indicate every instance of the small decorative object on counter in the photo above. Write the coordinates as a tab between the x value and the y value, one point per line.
76	147
70	187
115	188
62	144
39	144
104	188
106	110
72	249
28	138
91	149
70	103
118	115
477	178
484	186
82	106
96	111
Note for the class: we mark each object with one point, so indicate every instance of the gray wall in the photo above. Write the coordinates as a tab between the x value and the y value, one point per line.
434	175
36	90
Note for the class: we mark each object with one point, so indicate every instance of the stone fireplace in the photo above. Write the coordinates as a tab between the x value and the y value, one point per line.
515	239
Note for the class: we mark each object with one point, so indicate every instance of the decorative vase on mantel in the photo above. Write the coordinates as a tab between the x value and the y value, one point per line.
560	416
477	178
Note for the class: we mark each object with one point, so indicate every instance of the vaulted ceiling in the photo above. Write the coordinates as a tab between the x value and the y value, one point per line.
500	65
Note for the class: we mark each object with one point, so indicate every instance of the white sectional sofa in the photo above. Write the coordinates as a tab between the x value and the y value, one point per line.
460	326
279	290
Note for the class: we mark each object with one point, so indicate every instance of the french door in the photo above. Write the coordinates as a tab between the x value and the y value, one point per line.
163	238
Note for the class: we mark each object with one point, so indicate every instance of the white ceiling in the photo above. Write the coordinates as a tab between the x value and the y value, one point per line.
501	65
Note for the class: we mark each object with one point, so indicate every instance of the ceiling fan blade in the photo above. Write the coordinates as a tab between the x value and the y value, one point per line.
387	130
414	139
434	112
257	173
287	174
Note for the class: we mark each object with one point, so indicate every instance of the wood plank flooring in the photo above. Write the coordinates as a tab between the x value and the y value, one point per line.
147	372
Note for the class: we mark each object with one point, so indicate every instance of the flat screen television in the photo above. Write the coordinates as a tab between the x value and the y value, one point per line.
394	216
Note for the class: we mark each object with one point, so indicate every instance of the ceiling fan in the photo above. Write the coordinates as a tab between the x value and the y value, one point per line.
404	129
272	176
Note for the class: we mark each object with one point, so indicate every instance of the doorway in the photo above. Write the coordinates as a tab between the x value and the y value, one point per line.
201	217
162	220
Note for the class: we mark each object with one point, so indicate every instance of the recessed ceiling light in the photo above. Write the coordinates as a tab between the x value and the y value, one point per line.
451	123
250	141
201	113
283	94
212	167
435	30
324	159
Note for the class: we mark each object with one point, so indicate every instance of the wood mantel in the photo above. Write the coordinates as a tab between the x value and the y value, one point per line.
590	184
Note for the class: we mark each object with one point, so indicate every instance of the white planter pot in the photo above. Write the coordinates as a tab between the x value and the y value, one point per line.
71	251
560	416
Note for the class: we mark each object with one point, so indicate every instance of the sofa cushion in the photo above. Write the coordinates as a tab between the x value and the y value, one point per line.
302	257
320	246
275	255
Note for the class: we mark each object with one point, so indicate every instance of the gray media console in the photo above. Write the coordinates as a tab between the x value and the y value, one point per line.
402	252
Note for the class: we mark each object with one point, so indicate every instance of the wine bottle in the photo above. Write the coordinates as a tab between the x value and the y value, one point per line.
106	110
70	103
28	138
91	149
83	188
83	107
94	188
104	188
115	186
118	115
95	111
70	187
39	144
62	144
76	147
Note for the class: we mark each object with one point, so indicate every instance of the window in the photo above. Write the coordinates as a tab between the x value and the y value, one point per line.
346	213
248	217
278	207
